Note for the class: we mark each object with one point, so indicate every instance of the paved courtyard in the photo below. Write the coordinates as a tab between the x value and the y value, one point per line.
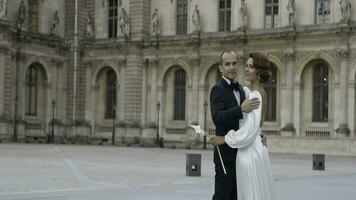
78	172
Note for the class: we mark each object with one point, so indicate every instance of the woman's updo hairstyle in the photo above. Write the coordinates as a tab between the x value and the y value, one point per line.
262	66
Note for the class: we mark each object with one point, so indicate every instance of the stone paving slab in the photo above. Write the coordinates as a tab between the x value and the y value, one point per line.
78	172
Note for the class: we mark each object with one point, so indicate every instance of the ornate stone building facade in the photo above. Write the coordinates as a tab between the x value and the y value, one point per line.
81	66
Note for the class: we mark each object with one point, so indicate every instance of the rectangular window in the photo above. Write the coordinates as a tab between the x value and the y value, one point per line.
224	15
271	13
113	18
182	17
33	16
323	11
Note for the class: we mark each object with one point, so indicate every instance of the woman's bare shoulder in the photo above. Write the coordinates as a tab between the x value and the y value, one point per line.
246	90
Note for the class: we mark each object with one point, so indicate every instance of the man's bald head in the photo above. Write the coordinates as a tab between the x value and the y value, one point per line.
224	53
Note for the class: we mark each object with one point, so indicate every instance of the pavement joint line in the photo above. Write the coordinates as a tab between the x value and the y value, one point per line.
59	190
74	168
318	176
40	198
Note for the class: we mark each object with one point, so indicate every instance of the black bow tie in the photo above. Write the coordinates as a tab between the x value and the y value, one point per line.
235	86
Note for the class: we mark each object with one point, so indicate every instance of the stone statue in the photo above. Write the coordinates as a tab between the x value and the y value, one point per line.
3	9
243	15
291	12
155	23
55	23
89	30
345	7
124	22
196	20
21	19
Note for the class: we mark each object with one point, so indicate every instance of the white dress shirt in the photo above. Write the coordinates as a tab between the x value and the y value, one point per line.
236	92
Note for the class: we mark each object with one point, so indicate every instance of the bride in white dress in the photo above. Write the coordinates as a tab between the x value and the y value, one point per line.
253	172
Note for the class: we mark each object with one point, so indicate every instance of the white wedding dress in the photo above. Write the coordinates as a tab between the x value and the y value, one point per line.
253	172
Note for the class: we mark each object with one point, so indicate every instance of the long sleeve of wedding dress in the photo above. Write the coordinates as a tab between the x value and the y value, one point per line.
249	129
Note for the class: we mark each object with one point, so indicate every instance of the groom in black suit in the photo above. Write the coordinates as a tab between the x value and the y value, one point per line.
227	103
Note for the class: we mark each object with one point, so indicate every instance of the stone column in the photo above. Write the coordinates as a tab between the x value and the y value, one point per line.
89	98
56	91
144	98
133	88
19	85
121	92
152	64
296	108
47	94
4	132
351	107
202	93
241	59
94	116
149	93
343	129
287	98
194	104
3	52
88	107
140	18
60	91
162	114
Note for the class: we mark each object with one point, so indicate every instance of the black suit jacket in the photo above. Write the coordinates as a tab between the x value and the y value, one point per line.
225	113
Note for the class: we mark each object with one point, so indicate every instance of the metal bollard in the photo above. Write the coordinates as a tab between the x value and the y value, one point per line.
193	164
319	162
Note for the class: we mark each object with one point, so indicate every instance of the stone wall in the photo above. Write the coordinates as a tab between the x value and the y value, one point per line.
145	64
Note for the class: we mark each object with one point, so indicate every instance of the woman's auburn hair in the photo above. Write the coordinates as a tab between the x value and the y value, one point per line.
262	66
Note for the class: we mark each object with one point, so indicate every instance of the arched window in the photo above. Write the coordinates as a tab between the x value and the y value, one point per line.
112	18
182	17
320	92
271	90
224	15
33	15
31	90
110	94
179	94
